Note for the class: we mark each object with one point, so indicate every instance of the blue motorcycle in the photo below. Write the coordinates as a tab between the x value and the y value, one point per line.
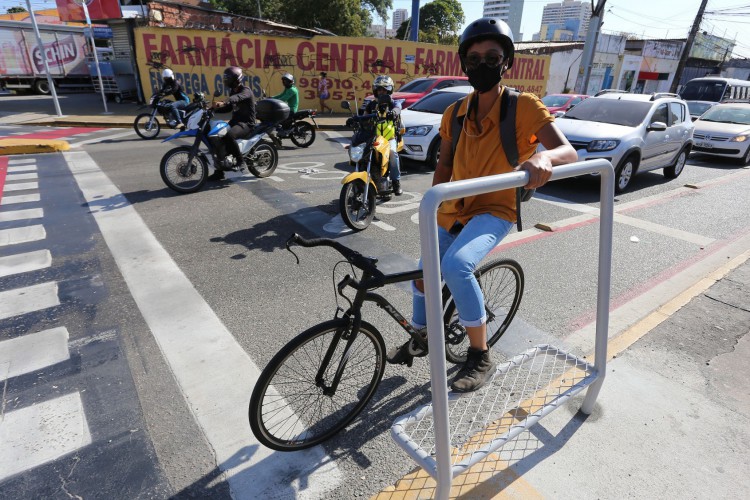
185	168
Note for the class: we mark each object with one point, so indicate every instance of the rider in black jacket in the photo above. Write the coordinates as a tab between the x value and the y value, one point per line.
173	88
241	102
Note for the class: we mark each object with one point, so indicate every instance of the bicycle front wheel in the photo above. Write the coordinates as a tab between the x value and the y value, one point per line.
294	405
501	281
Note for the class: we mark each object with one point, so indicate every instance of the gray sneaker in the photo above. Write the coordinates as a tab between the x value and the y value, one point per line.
476	372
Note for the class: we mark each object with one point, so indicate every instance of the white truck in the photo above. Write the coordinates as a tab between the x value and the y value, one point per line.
21	64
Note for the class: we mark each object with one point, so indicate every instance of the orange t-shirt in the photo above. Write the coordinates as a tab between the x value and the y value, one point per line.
479	155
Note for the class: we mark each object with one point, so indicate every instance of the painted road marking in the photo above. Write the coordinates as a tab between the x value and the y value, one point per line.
28	299
190	335
32	352
109	137
21	161
21	186
24	262
41	433
13	177
18	235
30	167
21	198
32	213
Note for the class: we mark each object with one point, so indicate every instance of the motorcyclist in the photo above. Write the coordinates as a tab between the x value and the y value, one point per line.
382	88
290	95
181	100
241	102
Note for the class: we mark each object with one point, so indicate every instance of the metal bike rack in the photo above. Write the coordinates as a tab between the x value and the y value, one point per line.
456	431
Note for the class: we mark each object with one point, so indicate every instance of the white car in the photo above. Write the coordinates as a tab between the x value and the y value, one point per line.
724	130
422	123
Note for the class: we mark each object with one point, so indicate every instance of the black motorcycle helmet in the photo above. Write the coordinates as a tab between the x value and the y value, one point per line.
287	79
487	28
232	76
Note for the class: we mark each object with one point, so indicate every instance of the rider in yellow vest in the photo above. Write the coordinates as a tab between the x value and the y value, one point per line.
382	88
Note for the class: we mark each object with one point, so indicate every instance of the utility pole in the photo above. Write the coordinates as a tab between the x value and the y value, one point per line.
687	48
414	21
589	47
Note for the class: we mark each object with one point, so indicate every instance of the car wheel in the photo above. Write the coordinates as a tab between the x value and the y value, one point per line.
624	173
434	156
674	171
745	160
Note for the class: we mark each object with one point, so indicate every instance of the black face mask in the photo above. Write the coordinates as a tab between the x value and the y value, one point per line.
483	78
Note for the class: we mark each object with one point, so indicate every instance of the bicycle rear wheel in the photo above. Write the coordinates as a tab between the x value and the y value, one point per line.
501	281
290	409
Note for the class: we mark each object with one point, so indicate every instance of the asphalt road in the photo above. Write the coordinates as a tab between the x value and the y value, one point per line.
227	242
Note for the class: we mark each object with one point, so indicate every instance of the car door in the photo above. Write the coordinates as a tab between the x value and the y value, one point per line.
680	128
655	141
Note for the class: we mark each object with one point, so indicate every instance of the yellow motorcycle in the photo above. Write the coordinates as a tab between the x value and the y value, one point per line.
370	153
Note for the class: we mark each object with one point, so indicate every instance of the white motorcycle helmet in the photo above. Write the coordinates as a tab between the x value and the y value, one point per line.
167	76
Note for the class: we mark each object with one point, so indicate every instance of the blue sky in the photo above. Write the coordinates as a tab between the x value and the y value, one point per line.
646	18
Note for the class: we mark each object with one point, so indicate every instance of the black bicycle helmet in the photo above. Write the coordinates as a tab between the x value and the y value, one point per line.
487	28
232	76
287	77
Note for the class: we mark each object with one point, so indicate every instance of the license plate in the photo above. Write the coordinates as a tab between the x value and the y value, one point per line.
706	145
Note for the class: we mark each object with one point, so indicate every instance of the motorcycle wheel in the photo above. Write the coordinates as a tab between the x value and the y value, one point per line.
262	159
142	128
303	134
355	210
178	175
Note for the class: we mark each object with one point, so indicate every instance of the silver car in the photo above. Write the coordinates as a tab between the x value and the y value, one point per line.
636	132
724	130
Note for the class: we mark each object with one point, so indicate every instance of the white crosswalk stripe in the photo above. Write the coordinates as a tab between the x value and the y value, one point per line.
22	168
25	262
21	186
49	347
17	235
13	177
32	213
41	433
28	299
19	198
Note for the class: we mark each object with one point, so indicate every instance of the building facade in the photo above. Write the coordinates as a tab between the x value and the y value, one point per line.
509	11
399	16
566	20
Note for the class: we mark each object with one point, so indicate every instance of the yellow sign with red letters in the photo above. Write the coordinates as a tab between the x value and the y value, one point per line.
199	57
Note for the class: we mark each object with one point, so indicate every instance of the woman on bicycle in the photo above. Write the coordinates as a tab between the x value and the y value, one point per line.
469	228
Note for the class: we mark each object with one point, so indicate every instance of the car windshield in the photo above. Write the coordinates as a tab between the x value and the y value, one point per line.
618	112
552	101
710	90
740	116
698	108
436	102
417	86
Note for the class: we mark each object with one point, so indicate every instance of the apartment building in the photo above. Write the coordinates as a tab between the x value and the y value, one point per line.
399	16
509	11
566	20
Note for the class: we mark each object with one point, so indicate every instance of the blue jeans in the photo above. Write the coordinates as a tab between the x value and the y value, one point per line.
459	256
394	163
174	112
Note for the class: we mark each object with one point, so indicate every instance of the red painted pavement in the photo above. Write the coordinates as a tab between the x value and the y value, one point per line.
58	133
3	173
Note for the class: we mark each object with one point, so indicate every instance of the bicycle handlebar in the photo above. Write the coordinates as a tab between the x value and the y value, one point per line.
366	264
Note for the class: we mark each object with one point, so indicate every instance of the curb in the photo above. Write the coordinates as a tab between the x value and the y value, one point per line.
31	146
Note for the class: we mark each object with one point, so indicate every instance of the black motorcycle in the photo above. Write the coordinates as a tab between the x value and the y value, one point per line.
147	125
301	133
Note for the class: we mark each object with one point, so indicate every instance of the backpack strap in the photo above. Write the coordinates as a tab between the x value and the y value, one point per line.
508	108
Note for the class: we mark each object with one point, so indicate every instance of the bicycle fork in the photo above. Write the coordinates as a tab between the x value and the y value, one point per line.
352	329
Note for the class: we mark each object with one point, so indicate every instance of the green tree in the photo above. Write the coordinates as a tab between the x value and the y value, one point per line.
440	21
342	17
16	10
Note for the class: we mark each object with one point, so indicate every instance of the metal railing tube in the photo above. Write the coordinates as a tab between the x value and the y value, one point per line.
431	266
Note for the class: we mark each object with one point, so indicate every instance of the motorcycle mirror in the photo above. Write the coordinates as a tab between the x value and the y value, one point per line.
345	105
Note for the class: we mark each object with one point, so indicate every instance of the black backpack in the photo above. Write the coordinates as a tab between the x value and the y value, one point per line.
508	106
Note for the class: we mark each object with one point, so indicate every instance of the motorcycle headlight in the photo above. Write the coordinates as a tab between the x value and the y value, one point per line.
603	145
421	130
356	152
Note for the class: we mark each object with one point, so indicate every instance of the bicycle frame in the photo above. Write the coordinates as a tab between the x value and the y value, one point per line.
354	316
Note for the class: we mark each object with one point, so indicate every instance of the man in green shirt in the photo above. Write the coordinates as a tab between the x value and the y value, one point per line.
290	94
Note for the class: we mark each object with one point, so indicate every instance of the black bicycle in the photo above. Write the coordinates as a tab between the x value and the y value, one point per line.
320	381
